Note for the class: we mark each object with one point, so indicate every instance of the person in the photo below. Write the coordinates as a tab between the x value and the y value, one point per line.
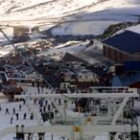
23	101
11	120
17	116
44	108
46	102
7	111
43	118
24	116
40	110
49	107
31	116
14	111
20	107
41	103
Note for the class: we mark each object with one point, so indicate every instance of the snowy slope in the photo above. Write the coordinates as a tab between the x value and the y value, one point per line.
96	18
30	9
80	17
43	8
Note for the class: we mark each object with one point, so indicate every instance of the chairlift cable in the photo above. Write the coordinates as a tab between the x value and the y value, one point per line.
28	62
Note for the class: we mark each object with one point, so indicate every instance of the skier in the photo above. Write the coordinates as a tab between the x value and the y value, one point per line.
31	116
17	116
24	116
20	107
11	120
14	111
7	111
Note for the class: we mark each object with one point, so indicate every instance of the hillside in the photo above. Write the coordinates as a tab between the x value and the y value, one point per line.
97	18
30	9
70	17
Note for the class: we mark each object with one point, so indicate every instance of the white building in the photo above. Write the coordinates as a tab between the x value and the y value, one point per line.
69	77
33	76
86	76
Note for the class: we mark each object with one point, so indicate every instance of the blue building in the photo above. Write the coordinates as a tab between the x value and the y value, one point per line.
123	47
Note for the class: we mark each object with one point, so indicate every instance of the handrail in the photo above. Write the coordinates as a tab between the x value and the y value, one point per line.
75	95
66	129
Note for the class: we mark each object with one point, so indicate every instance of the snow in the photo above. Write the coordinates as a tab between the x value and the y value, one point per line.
5	118
103	136
97	18
63	7
67	44
90	17
135	29
33	9
71	49
82	17
6	50
2	100
82	28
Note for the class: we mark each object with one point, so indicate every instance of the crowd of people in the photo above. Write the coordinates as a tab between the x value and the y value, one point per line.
16	111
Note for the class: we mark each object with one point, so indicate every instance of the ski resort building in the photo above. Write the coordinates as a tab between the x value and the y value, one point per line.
123	47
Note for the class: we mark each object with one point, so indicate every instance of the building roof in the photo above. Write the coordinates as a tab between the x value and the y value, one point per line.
72	57
131	79
132	66
127	41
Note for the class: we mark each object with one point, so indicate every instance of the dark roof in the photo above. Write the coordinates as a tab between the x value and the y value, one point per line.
127	41
72	57
131	79
132	66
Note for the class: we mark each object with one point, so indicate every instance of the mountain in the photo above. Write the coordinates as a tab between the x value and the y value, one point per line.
76	17
32	9
98	17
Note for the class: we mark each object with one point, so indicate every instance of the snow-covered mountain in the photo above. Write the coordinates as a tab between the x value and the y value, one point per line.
98	17
75	17
23	9
30	9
